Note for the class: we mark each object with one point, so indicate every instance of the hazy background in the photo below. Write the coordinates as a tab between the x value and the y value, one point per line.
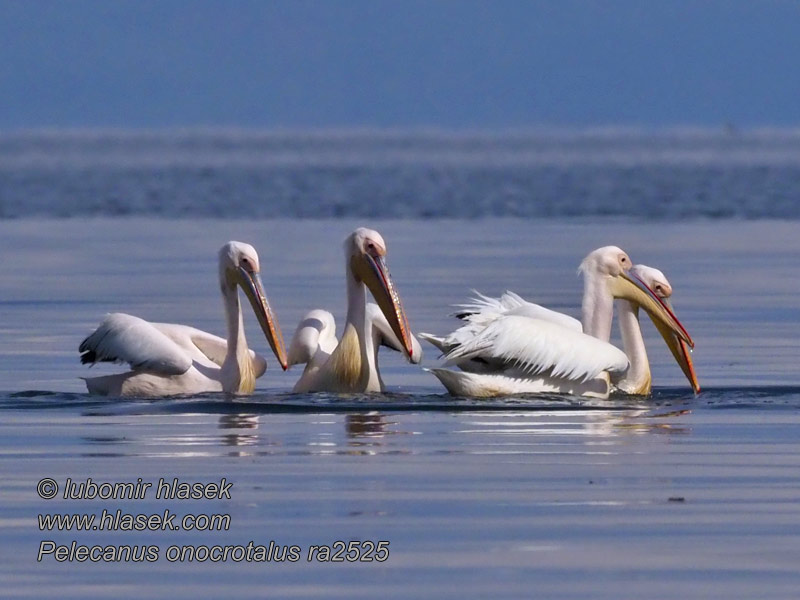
457	64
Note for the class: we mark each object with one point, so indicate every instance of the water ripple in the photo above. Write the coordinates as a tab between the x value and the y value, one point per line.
739	398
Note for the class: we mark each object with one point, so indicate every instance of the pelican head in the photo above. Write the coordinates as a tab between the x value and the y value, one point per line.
610	266
656	281
365	251
239	266
609	261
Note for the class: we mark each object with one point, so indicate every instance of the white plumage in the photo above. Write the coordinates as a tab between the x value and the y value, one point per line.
535	346
508	345
350	365
122	338
315	336
168	359
484	310
315	340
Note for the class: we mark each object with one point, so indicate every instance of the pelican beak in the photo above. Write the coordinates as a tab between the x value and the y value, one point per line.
254	290
372	270
679	350
629	287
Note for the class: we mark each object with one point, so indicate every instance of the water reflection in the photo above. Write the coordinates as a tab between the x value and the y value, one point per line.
634	422
529	431
365	433
368	425
207	429
236	422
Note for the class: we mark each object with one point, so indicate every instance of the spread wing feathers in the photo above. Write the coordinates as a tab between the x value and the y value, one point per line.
482	310
385	336
482	303
316	330
536	346
122	338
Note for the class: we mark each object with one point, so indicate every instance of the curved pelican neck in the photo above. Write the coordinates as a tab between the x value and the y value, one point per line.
349	364
638	374
356	302
236	369
597	307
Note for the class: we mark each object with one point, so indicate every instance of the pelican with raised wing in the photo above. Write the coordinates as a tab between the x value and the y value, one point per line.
168	359
514	347
351	365
636	380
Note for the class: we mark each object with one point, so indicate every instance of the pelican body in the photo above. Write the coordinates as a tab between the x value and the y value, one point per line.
509	346
168	359
350	365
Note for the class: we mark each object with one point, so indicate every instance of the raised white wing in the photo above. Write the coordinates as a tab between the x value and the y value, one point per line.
482	310
124	338
212	346
316	330
538	346
384	336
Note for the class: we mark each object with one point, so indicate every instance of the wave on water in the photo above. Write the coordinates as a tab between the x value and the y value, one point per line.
612	172
663	399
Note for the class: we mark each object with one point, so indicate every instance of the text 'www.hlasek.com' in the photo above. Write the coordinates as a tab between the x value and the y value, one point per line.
117	520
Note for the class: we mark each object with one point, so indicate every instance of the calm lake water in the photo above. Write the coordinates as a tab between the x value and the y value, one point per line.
674	496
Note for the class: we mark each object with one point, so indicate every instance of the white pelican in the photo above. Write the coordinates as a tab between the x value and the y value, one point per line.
351	366
637	380
168	359
512	347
